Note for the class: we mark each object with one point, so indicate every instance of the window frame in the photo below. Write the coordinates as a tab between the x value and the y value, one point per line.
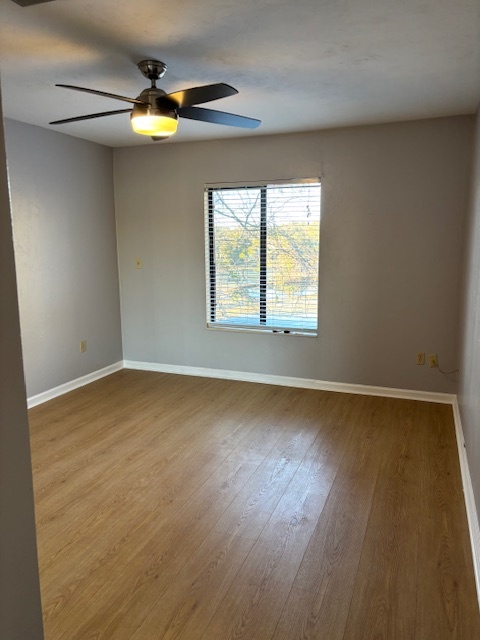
210	269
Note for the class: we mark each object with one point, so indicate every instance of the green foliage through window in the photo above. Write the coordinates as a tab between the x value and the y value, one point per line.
262	256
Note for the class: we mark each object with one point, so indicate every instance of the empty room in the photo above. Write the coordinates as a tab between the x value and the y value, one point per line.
240	320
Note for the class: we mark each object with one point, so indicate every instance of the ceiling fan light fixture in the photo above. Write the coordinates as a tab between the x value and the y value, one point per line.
154	124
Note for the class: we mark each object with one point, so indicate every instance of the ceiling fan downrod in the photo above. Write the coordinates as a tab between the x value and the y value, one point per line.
153	70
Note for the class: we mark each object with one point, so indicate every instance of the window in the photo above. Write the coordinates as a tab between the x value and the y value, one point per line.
262	256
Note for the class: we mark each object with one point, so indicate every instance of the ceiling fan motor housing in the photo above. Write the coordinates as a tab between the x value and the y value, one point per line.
151	107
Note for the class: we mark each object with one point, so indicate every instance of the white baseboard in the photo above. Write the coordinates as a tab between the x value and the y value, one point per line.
286	381
40	398
472	516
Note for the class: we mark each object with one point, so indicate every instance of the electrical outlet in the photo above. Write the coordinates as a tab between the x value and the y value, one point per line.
421	357
83	346
138	263
433	360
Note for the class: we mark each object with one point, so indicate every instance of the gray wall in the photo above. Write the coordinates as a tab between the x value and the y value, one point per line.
394	205
20	610
65	246
469	388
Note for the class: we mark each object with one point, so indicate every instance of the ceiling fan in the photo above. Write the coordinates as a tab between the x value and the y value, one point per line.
155	113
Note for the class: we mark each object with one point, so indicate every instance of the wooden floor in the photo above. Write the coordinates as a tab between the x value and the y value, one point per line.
177	507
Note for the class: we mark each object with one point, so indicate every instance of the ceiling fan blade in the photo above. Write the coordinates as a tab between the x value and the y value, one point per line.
28	3
159	138
218	117
102	93
90	116
197	95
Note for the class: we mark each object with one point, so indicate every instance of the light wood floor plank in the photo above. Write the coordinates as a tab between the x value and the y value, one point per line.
140	465
191	517
184	508
384	597
446	607
272	438
319	600
190	601
253	506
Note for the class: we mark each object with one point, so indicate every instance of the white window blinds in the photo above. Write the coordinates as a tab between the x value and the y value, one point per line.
262	256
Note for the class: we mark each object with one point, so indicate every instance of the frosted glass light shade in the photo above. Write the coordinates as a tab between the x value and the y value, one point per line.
154	125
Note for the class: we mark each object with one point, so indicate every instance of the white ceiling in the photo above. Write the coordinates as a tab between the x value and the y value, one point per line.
299	65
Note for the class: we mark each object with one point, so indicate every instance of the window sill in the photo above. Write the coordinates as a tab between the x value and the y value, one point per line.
257	330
